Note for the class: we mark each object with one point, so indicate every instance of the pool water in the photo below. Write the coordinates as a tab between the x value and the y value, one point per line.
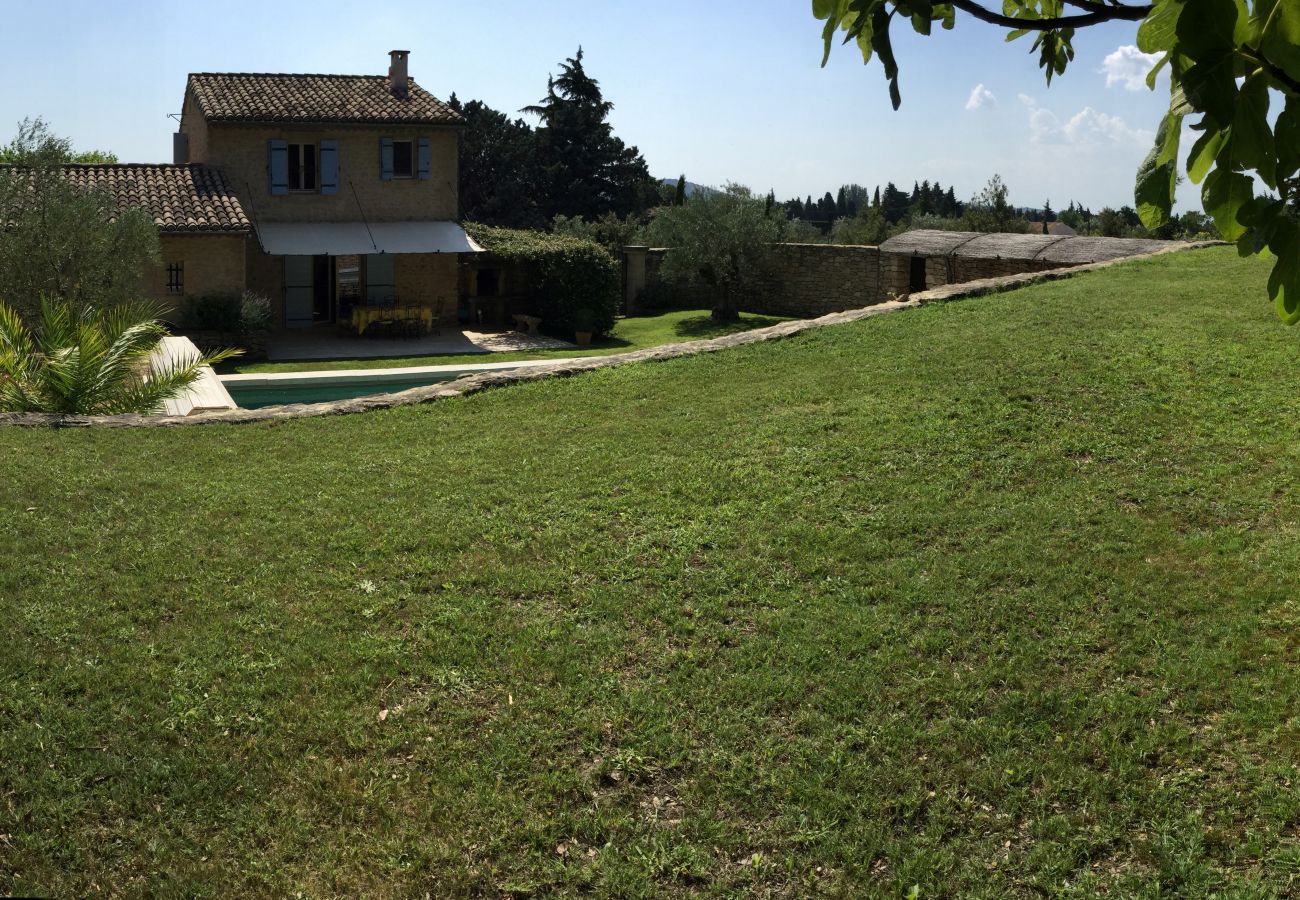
257	396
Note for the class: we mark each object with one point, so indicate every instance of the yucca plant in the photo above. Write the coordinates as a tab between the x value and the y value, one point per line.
90	361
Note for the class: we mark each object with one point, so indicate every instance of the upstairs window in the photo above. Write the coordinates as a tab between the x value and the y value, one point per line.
302	167
403	159
176	278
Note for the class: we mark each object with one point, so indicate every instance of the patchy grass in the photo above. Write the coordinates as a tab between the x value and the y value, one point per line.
996	598
634	333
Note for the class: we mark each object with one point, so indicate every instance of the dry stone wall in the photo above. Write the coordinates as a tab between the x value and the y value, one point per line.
806	281
809	280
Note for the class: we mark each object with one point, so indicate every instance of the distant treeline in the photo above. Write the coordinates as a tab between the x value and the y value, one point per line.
926	199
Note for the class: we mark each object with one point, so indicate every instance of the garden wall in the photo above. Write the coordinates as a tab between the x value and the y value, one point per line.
807	280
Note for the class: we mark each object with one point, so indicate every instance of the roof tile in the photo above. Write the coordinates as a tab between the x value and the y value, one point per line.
232	97
181	199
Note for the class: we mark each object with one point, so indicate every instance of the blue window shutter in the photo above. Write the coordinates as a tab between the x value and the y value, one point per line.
385	159
329	167
424	159
277	167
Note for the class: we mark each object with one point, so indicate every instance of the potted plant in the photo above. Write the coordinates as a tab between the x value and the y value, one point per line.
584	324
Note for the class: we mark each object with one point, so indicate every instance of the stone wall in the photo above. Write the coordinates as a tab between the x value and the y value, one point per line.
211	264
810	280
807	280
941	270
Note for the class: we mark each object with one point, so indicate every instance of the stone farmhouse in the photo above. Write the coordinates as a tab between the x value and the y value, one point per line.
316	191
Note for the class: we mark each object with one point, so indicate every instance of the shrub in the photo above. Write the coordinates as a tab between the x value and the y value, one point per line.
89	361
574	280
227	314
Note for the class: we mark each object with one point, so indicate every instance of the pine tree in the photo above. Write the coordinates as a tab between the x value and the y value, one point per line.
589	171
841	204
826	208
894	203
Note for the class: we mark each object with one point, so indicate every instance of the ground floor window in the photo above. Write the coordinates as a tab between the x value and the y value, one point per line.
176	278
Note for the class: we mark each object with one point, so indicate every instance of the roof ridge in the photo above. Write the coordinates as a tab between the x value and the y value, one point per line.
291	75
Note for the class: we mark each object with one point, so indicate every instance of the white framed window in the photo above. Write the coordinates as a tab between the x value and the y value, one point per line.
302	167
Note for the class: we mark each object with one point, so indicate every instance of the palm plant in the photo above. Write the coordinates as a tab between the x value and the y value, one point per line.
90	361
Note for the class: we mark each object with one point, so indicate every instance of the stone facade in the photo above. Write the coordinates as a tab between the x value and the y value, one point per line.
241	152
210	264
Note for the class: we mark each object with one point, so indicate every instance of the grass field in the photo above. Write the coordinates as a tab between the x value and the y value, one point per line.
994	598
635	333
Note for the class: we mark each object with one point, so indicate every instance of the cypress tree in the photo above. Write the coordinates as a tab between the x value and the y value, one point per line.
679	198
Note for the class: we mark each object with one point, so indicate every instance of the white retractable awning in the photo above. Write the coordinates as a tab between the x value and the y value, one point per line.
348	238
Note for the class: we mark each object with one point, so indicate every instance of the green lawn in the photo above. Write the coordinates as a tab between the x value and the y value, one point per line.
994	598
629	334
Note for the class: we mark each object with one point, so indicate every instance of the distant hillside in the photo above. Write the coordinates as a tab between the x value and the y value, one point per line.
691	187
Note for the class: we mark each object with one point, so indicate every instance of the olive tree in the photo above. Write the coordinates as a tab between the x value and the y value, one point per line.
722	241
1228	61
63	240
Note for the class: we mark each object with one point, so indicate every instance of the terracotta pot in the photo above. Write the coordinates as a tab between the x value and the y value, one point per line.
584	338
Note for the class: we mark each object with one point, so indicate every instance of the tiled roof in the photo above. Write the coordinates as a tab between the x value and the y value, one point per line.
335	99
190	199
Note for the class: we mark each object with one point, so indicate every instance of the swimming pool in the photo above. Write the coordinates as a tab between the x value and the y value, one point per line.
255	396
257	390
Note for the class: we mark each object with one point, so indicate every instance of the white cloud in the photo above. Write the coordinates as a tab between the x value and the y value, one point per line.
1086	128
1089	127
1129	66
981	97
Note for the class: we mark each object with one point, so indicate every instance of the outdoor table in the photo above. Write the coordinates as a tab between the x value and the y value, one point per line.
365	316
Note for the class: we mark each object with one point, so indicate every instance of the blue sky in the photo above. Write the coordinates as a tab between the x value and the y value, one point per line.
721	91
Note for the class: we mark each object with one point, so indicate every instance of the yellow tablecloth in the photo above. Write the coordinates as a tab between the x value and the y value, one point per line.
365	316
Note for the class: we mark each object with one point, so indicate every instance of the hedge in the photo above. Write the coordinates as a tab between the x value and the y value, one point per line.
576	281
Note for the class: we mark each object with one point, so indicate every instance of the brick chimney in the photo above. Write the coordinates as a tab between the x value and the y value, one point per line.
397	72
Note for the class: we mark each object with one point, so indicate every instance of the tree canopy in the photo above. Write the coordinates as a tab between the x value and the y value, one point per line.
722	241
61	241
36	145
571	164
587	169
1227	59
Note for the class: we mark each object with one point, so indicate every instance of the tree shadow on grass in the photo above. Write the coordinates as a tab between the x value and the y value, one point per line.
698	327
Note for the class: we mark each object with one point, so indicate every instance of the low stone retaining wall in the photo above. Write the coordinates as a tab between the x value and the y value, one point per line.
473	384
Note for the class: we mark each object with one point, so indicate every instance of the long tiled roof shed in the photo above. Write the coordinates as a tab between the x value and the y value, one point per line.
263	98
1043	248
190	199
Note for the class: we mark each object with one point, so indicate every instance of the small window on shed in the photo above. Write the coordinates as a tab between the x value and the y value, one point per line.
403	159
176	278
